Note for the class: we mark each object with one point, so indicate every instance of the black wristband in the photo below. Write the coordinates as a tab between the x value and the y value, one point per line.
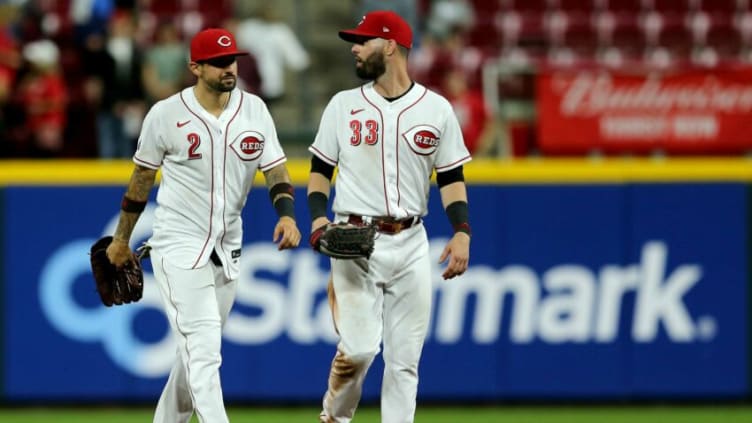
458	215
281	188
131	206
285	206
317	202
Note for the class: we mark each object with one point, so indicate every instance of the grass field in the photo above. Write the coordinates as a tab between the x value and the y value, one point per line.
481	414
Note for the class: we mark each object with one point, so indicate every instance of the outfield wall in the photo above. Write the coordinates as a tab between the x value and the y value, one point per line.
588	280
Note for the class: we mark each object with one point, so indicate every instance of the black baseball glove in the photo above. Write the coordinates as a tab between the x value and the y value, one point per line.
344	240
116	286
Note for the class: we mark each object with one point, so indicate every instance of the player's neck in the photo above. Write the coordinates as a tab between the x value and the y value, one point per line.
212	101
392	85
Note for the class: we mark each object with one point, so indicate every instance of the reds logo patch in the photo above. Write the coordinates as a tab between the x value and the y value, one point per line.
248	145
422	139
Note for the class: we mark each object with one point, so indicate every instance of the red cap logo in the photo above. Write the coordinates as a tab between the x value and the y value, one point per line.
213	43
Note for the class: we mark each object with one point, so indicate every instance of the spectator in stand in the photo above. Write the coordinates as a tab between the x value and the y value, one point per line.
99	77
10	61
275	47
445	46
118	134
480	129
90	16
165	71
42	95
249	76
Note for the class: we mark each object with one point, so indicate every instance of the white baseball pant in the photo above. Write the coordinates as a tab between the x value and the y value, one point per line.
386	297
197	302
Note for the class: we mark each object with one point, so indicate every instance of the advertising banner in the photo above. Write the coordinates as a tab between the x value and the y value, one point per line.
621	112
601	291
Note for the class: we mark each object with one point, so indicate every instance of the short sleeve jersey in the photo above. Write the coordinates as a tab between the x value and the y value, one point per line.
386	151
208	164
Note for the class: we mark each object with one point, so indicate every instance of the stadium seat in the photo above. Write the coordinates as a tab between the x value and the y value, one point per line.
581	37
164	8
719	6
486	7
629	40
624	6
520	27
720	23
676	39
575	44
525	6
725	40
673	7
576	6
743	23
486	35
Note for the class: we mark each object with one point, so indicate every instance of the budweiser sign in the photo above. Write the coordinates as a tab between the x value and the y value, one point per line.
626	113
589	95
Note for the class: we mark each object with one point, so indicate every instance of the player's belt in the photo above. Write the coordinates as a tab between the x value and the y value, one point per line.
387	225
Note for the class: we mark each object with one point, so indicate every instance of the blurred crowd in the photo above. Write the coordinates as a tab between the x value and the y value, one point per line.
78	76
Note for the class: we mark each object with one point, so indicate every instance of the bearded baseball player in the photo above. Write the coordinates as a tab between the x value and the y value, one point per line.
386	138
209	140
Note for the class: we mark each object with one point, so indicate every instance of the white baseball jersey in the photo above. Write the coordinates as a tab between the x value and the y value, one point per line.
386	151
208	166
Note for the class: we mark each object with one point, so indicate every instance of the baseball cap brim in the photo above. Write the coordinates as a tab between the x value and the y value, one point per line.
218	56
355	36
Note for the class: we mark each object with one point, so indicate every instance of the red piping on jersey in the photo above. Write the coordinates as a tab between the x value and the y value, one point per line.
383	168
397	139
224	175
211	191
451	165
274	163
148	164
324	157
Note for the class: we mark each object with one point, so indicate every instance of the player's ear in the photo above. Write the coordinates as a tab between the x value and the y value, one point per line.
390	47
194	68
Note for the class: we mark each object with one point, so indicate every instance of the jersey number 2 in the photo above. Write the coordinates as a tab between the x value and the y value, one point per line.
195	141
372	132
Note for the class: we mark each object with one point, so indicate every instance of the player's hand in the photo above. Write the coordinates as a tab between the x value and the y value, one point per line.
318	225
458	252
319	222
286	233
119	253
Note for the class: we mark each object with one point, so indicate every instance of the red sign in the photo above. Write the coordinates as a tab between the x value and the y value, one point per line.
707	112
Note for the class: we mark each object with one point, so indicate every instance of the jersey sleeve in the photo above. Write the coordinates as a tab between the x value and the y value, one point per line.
325	145
151	148
452	151
273	154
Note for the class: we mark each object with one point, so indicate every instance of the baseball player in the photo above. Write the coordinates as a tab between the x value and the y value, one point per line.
209	140
386	138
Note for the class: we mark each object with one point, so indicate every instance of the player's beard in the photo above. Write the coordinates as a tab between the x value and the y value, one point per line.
223	84
372	67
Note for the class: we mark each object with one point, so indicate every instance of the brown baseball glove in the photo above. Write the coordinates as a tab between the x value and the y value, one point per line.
116	285
344	240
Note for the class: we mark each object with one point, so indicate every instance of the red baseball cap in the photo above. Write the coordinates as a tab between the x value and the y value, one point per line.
381	24
213	43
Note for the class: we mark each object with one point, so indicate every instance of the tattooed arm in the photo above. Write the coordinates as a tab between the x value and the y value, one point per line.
141	183
277	174
286	232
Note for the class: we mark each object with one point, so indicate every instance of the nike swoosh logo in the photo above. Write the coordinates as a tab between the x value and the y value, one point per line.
182	124
354	111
